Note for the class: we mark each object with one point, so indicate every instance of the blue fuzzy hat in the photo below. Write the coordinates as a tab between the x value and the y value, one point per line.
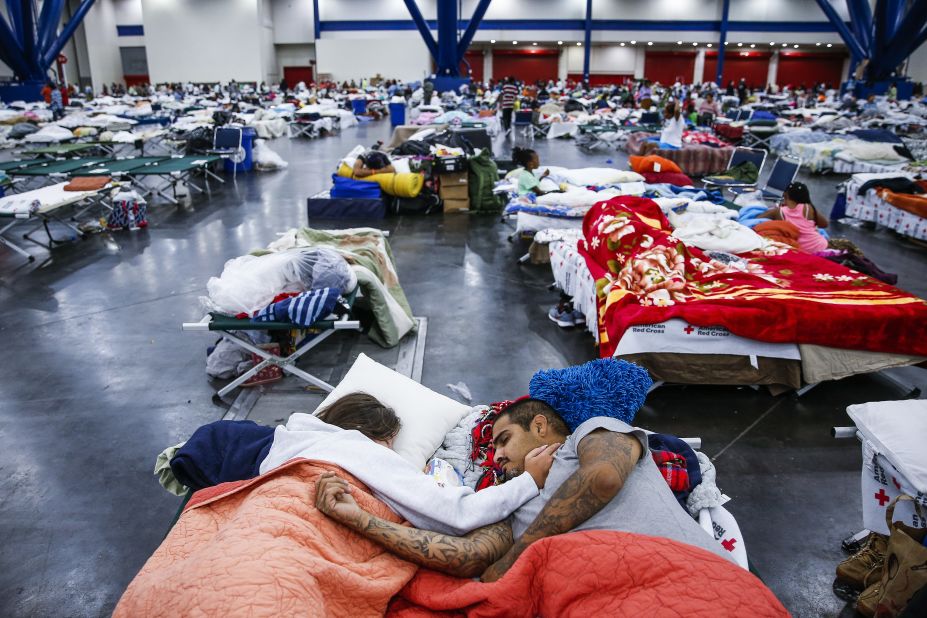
603	387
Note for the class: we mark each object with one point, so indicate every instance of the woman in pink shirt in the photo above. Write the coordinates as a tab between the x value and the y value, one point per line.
797	209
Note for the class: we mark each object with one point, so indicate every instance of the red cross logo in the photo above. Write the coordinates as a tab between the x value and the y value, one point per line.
728	544
896	483
882	497
688	330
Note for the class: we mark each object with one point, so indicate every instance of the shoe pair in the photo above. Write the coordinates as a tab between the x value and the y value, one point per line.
565	316
863	572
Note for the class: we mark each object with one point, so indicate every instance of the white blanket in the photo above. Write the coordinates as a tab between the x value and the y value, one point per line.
407	490
41	200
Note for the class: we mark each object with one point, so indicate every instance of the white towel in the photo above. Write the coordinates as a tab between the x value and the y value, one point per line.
392	479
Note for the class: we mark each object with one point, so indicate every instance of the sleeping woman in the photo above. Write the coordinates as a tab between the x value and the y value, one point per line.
357	432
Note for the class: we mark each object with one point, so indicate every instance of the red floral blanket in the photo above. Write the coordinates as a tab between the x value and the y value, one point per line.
644	275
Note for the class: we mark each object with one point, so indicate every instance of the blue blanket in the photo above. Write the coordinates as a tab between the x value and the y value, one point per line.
222	451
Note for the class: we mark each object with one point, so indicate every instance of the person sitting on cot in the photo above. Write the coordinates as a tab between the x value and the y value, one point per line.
372	162
528	161
797	209
602	478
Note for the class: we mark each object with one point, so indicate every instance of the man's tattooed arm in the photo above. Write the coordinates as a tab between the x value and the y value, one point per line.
466	556
606	459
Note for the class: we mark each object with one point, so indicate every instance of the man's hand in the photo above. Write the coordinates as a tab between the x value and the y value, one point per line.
501	566
546	173
333	497
539	461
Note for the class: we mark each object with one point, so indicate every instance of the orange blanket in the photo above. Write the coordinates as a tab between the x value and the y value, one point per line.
598	574
915	204
783	231
260	548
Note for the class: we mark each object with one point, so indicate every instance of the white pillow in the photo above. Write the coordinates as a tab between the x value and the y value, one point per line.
426	416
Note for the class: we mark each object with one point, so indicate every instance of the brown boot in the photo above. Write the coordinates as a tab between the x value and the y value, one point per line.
864	568
869	599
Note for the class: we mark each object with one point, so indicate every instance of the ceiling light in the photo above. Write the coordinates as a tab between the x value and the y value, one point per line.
785	45
579	44
772	43
514	42
817	44
558	43
795	46
752	45
830	44
492	40
621	44
649	42
740	45
633	42
709	45
678	42
727	42
534	43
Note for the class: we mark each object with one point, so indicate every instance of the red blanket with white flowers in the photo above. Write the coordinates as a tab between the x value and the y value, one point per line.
644	275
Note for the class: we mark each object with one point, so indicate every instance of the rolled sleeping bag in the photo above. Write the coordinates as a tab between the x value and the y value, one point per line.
397	185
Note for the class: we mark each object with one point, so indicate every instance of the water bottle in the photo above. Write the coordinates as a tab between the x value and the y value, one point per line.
130	211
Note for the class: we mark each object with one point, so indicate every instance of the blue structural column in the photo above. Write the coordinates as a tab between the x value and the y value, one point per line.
448	61
722	44
51	53
849	39
902	43
316	20
861	20
587	41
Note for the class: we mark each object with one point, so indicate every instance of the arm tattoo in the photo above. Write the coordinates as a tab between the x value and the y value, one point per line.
466	556
606	460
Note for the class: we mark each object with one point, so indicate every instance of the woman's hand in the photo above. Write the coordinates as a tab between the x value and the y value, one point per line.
546	173
539	461
333	497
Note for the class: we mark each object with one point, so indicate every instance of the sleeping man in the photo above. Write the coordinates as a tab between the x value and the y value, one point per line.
601	479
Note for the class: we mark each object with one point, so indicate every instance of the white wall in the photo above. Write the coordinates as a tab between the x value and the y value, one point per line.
294	56
404	58
917	65
203	40
603	59
105	64
128	12
293	21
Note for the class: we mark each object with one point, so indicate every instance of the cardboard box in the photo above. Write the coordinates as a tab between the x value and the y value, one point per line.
454	192
457	178
456	205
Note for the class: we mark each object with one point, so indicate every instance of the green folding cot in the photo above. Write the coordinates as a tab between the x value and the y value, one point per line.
174	170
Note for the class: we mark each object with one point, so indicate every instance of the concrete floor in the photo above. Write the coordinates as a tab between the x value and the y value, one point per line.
97	378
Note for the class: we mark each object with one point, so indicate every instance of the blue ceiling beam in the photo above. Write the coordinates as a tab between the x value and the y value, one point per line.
14	9
48	22
50	54
587	41
478	13
722	43
419	20
856	50
905	40
10	51
861	21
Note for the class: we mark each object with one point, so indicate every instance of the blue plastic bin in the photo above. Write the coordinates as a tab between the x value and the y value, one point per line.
359	106
248	135
397	114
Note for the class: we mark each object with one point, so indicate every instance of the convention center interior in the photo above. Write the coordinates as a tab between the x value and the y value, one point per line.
292	292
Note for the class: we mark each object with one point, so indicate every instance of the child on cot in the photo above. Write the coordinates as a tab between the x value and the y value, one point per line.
528	161
797	209
674	123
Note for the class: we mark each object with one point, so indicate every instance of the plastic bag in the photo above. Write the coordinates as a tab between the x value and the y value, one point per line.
749	198
443	473
250	283
267	159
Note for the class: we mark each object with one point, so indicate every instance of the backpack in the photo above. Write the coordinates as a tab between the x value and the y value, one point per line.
451	139
425	203
413	147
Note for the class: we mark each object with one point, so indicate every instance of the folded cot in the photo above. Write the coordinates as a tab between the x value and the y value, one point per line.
231	328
